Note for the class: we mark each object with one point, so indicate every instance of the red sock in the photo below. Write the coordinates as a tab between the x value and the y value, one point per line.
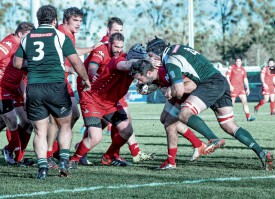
8	134
172	153
114	132
117	143
134	148
15	145
261	102
55	150
24	137
81	150
49	154
247	115
195	141
109	127
272	105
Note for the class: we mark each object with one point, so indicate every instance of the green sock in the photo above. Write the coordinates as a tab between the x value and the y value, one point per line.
42	163
245	137
64	154
199	125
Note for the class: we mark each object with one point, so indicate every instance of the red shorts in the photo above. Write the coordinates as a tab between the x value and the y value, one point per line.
92	106
270	90
6	94
123	102
71	92
237	91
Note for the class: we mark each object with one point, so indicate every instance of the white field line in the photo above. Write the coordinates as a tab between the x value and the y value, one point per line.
128	186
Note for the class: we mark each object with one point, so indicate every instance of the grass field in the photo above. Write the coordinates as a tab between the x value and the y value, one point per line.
231	172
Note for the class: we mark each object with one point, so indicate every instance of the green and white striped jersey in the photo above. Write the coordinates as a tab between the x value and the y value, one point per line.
45	49
182	60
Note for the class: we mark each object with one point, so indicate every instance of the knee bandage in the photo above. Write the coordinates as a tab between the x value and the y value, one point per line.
193	107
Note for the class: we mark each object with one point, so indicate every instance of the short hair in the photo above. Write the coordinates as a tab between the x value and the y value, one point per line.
238	57
72	11
141	66
114	20
116	36
46	14
271	59
24	27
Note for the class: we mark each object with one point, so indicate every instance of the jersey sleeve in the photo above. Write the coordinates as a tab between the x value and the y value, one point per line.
174	73
228	72
4	50
114	61
68	47
20	52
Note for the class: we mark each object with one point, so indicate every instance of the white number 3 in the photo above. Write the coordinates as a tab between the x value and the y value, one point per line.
39	50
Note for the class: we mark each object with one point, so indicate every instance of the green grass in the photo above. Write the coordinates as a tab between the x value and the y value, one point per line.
236	165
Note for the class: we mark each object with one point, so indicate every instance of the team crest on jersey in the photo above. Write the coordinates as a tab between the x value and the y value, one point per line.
172	74
101	53
8	43
167	77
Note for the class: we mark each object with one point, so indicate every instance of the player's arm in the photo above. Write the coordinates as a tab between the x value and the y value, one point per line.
263	77
92	70
18	59
228	75
83	51
70	52
189	85
246	85
79	68
175	76
125	65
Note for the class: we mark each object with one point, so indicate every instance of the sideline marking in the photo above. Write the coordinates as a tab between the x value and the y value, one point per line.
153	184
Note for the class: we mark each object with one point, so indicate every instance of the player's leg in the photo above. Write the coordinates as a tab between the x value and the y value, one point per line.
169	116
53	148
122	123
9	116
265	91
226	121
137	154
198	101
243	99
272	104
24	129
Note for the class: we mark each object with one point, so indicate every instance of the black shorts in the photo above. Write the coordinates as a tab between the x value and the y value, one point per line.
6	106
214	92
46	99
116	117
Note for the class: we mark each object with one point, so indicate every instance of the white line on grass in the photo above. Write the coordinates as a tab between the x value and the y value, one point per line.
128	186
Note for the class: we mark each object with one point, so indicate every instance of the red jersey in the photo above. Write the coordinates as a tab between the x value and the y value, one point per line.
163	78
101	56
105	38
111	85
67	32
236	75
268	77
10	77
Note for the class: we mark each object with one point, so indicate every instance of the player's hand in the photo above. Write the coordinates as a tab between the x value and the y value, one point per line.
87	85
168	94
247	91
97	45
155	59
94	77
231	88
265	86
